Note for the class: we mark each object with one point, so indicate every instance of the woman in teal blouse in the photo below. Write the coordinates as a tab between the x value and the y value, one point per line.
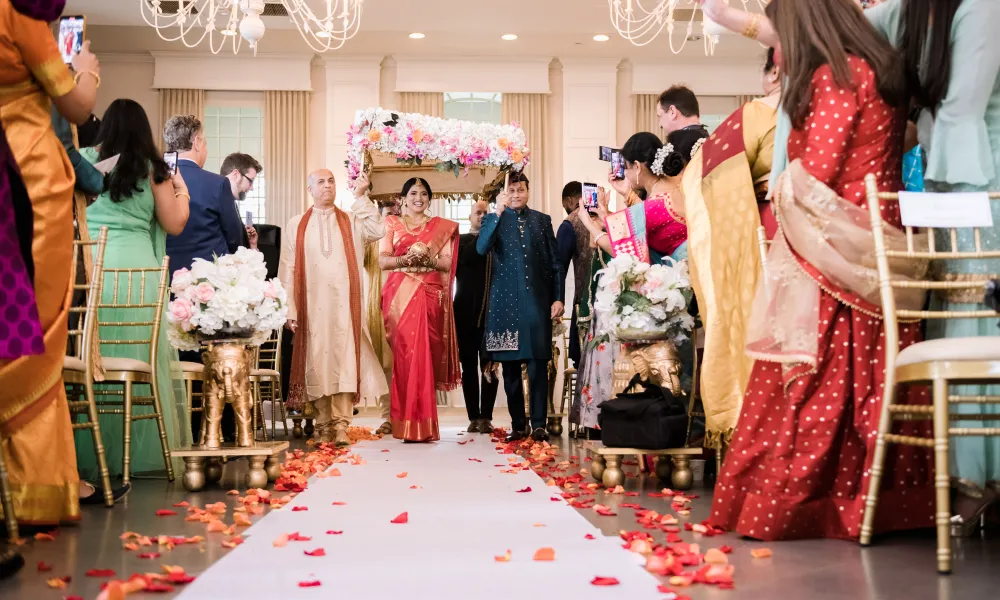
955	72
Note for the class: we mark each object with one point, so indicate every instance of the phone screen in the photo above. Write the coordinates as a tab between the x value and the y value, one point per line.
71	36
617	165
590	196
248	220
605	153
171	159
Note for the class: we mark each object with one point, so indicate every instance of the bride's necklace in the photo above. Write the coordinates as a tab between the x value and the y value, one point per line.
419	227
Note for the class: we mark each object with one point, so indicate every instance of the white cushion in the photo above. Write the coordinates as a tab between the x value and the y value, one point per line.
187	366
953	349
264	373
72	363
113	363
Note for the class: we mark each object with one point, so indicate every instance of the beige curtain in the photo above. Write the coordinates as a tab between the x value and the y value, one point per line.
644	114
530	111
425	103
179	102
286	120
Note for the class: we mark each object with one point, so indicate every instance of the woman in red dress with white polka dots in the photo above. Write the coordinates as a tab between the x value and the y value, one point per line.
799	461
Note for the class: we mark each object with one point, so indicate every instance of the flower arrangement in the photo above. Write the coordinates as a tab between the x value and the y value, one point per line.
229	297
454	144
638	301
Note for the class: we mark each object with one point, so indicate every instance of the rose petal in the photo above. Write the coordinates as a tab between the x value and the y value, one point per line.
402	475
307	584
56	583
44	567
44	537
402	518
163	512
544	554
100	573
316	552
524	490
504	558
604	581
182	505
589	537
340	504
281	541
299	508
332	532
414	487
761	553
149	555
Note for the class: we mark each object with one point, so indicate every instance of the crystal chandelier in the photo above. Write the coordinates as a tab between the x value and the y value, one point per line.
641	25
230	22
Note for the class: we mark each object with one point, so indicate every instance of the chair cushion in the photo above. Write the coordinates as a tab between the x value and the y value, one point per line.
72	363
113	363
954	349
264	373
188	366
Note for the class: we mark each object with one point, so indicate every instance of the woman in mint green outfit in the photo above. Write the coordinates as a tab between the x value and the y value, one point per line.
140	204
958	70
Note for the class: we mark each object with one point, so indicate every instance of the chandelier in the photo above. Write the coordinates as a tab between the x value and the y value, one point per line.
641	25
229	22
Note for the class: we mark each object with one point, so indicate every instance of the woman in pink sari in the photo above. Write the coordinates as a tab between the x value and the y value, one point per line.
419	253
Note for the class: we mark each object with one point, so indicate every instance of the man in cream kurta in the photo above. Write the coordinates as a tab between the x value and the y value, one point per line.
331	375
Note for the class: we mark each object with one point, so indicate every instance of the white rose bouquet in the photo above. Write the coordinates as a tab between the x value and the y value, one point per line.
229	297
638	301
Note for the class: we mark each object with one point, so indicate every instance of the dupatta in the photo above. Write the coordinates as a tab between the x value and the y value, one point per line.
824	242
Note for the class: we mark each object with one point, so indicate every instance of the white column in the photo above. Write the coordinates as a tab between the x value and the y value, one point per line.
555	131
625	121
589	117
388	97
352	84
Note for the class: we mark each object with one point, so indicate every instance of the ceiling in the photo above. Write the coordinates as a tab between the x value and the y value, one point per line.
562	28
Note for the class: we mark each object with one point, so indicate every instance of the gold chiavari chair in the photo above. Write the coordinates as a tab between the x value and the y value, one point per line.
79	366
569	380
7	502
941	362
266	383
190	372
127	371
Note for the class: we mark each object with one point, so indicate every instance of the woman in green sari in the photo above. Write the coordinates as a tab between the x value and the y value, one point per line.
141	203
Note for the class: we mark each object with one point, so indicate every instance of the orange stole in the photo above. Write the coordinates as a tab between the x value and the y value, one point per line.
34	418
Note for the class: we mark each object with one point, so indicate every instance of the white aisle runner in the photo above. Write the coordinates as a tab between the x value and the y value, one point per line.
463	515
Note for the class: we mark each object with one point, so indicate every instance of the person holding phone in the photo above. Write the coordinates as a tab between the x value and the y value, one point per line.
573	246
36	223
140	204
242	170
526	294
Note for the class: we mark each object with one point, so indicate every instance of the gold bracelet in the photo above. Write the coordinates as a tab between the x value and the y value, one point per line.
600	235
753	27
96	77
182	194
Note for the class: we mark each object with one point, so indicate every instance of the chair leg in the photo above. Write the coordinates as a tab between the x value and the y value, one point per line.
158	407
942	480
102	461
254	399
878	460
7	501
127	446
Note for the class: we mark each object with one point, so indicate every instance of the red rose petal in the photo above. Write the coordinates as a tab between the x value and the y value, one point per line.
182	505
604	581
149	555
340	504
295	537
158	588
100	573
299	508
316	552
309	584
726	549
589	537
524	490
402	518
44	567
163	512
332	532
180	578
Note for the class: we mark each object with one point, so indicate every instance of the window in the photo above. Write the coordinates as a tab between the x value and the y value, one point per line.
481	107
231	129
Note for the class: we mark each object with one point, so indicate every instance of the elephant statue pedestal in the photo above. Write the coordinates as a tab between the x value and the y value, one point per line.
202	467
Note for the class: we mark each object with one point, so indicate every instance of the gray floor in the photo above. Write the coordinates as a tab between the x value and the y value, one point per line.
897	567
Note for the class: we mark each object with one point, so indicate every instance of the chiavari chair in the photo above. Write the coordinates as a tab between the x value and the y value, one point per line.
941	362
265	380
80	366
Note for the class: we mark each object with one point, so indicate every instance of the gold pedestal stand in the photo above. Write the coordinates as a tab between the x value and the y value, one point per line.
606	464
205	466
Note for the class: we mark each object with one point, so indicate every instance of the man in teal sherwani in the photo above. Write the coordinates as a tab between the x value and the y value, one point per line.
526	294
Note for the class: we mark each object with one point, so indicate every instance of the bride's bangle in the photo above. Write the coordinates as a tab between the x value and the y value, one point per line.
753	27
97	78
600	235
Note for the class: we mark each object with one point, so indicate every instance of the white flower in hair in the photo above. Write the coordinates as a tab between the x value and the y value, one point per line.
697	146
659	158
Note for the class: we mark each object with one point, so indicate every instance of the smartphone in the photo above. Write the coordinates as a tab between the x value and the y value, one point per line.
617	165
171	159
71	32
590	196
248	219
605	153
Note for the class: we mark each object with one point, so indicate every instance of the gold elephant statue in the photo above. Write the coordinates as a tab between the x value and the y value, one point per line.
227	379
657	364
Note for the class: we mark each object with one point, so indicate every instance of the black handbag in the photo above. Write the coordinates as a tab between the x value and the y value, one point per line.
651	420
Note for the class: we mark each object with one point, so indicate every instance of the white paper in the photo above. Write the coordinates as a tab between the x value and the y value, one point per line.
107	164
955	210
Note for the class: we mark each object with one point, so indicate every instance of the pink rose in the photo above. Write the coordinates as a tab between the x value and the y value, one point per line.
270	290
181	309
204	291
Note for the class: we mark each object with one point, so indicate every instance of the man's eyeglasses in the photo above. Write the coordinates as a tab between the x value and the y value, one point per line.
248	179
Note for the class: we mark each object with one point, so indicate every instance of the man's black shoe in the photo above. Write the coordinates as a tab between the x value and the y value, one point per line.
540	435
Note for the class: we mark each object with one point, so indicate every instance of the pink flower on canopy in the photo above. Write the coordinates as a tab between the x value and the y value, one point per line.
181	309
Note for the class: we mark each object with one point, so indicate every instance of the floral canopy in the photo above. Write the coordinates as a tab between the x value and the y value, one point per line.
457	158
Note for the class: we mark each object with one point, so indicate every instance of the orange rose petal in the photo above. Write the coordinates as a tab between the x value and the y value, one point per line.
402	475
44	537
714	556
281	541
241	520
56	583
216	526
504	558
233	493
415	487
113	591
544	554
761	553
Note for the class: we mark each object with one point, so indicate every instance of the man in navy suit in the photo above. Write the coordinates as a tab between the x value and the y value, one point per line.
526	294
214	227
